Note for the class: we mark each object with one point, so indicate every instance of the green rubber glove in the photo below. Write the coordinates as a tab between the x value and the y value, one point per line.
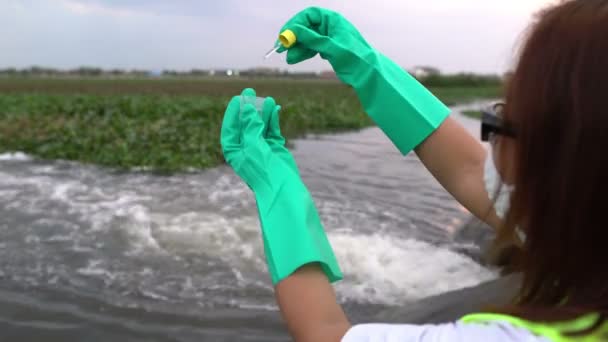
404	109
272	132
291	228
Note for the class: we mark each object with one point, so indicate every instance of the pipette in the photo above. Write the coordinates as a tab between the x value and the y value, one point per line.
272	51
286	39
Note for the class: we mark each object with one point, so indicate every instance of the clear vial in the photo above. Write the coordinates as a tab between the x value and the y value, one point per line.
257	102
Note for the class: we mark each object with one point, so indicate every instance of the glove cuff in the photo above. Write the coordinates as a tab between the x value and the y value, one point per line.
402	107
292	232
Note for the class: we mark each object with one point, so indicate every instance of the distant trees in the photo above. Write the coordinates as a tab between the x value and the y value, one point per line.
87	71
34	70
461	80
84	71
432	77
427	75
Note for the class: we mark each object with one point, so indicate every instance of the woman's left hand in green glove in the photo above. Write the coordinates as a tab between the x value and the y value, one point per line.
291	227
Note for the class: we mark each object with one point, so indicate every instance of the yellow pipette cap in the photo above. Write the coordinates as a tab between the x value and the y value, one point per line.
287	38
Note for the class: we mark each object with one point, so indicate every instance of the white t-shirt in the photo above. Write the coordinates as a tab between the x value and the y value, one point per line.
449	332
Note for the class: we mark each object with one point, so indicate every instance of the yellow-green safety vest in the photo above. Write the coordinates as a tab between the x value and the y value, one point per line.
555	332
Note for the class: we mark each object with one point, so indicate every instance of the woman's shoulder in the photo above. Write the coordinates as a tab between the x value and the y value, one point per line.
458	331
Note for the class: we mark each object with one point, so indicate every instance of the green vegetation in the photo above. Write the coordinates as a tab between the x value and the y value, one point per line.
475	114
166	124
461	80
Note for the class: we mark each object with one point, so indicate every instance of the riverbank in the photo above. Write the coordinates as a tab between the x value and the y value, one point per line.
166	124
89	253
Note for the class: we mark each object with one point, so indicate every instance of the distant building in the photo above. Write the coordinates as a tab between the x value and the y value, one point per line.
421	72
155	73
262	71
328	75
224	72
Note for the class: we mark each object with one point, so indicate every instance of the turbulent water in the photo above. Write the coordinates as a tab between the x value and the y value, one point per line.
88	253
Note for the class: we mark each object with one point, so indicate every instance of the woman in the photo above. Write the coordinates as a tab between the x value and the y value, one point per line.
548	149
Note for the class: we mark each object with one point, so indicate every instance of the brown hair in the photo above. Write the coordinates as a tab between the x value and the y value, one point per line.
557	100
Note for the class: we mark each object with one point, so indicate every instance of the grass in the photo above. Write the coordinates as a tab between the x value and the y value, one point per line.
166	124
475	114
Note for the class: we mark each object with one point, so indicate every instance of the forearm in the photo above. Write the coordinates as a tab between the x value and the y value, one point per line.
456	159
308	304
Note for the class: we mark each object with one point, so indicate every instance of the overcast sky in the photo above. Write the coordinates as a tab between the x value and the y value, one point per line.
453	35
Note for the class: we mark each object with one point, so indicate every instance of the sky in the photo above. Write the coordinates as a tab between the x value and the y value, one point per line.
453	35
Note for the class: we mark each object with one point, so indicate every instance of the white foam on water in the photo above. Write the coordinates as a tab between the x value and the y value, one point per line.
138	227
14	156
153	295
387	270
99	206
95	268
8	194
55	222
235	240
31	239
379	269
230	192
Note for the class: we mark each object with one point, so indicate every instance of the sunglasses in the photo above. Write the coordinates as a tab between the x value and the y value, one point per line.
492	123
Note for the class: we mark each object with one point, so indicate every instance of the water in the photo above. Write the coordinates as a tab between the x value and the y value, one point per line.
93	254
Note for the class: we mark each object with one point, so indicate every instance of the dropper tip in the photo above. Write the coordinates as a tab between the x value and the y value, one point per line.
272	51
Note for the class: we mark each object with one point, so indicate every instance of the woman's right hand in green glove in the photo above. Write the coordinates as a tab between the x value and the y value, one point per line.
402	107
405	110
326	32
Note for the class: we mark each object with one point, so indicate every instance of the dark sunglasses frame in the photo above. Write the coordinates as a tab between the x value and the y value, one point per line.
492	123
